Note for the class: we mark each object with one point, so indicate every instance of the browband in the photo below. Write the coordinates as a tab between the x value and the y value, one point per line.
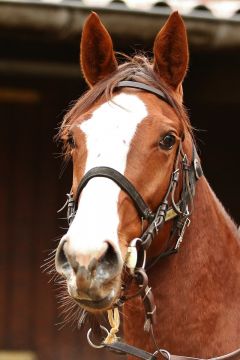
148	88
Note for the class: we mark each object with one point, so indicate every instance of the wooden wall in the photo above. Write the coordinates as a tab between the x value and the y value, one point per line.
212	98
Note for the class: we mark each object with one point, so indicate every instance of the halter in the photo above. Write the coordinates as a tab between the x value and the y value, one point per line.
167	210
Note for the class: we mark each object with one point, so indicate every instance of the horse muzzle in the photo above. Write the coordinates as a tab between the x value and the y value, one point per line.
93	279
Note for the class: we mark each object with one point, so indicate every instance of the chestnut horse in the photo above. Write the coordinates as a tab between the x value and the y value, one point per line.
132	149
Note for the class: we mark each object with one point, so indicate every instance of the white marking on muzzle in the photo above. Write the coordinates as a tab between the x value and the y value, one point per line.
109	133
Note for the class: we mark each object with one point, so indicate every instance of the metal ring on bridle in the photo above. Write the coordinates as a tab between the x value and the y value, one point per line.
90	341
164	353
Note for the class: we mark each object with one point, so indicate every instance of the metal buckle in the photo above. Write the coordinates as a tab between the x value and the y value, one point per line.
70	204
197	168
134	256
70	208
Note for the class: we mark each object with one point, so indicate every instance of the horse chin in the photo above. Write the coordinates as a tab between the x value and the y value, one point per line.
99	305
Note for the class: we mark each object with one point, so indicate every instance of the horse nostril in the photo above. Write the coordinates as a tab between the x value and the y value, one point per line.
109	261
61	261
110	255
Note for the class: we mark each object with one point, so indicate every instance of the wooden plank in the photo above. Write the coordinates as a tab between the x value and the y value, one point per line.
17	355
5	216
20	275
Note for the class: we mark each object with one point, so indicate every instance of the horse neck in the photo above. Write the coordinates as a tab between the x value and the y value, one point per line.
212	232
193	288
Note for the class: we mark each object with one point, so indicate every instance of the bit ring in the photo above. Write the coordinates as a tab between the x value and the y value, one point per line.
164	353
90	341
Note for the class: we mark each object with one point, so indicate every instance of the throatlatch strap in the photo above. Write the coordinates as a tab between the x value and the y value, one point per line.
120	180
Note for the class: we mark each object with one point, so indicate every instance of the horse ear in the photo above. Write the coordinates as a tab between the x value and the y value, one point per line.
97	58
171	52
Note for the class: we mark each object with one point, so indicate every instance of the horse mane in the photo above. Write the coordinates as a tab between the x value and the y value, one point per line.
137	68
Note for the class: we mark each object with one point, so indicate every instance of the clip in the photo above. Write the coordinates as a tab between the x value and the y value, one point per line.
180	239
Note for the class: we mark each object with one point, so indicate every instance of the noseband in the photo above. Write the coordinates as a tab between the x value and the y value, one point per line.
167	210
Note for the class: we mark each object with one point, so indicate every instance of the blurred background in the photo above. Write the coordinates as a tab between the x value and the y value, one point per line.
39	77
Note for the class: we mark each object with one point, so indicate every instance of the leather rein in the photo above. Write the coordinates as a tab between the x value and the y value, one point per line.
167	210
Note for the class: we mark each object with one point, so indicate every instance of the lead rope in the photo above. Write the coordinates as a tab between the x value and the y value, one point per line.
114	321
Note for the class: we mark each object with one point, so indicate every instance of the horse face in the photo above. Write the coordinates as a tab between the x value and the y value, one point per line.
138	135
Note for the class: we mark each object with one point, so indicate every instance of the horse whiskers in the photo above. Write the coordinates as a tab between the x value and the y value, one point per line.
50	251
65	299
67	310
59	279
60	285
49	268
50	257
48	265
83	314
63	295
48	260
53	251
51	280
62	288
62	292
71	316
51	272
54	277
63	305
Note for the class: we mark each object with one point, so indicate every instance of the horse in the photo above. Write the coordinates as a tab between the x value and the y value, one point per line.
143	221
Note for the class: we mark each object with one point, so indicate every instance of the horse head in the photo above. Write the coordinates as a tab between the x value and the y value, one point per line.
136	133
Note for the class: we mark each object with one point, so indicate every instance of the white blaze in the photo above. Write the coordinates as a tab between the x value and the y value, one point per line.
108	133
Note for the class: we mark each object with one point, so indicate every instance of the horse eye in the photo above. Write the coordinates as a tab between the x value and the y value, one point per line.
167	141
71	141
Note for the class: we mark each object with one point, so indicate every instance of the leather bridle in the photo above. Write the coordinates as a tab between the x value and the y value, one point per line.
167	210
